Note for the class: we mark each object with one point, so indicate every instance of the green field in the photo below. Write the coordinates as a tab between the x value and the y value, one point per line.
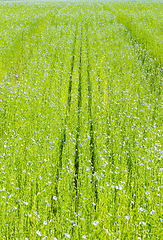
81	134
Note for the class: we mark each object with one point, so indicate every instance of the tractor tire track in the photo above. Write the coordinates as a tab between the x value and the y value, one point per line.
92	140
78	130
71	73
63	133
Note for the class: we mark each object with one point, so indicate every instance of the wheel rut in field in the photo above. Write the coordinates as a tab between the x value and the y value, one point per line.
78	130
153	61
71	73
63	133
92	140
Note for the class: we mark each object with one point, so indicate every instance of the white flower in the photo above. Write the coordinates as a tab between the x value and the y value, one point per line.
127	217
55	198
67	235
45	223
95	223
152	212
142	223
106	230
84	236
142	210
38	233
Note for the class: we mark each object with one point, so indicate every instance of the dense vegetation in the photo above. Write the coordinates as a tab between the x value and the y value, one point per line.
81	147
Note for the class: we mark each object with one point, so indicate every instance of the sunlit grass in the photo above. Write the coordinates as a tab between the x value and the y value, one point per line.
81	142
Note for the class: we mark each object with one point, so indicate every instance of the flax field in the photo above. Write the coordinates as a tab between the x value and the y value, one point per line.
81	113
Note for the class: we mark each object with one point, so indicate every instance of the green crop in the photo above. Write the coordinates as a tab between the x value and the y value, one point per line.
81	146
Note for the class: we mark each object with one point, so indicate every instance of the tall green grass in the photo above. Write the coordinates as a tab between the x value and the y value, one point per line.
81	122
